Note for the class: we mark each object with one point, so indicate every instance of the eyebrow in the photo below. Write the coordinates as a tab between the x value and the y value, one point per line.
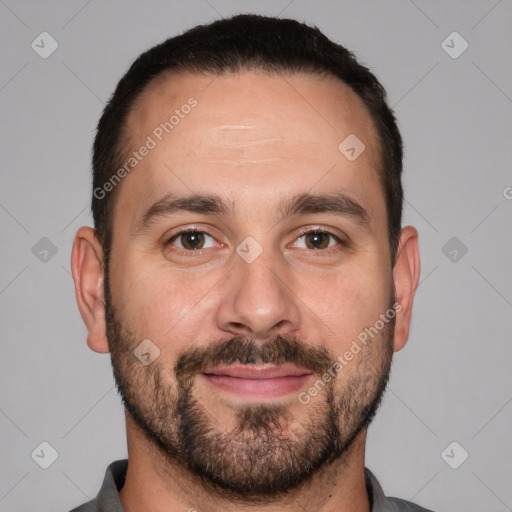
336	203
208	204
212	204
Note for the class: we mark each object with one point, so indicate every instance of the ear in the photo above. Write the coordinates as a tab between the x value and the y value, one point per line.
406	274
87	270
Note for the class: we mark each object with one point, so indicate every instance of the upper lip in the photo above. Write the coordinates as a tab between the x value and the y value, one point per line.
258	371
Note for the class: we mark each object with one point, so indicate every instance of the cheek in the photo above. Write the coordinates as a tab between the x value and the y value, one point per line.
351	300
163	304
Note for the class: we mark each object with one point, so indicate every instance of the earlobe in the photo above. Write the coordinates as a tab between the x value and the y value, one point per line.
87	270
406	273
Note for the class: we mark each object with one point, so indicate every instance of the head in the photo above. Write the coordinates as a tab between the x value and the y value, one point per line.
247	204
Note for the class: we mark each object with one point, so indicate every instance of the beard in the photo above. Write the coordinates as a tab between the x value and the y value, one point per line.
266	452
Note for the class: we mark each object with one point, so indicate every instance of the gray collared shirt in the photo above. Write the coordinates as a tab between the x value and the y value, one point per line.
108	500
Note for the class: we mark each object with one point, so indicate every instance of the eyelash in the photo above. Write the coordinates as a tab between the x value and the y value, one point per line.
199	252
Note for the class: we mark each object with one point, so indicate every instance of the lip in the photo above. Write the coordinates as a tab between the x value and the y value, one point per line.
257	381
258	372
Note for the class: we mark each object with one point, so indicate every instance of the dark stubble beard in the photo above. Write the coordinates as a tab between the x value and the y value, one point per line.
262	457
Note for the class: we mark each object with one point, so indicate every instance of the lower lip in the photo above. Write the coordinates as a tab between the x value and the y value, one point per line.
258	388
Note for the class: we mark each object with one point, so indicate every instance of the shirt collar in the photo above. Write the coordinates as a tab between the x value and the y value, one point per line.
108	500
375	492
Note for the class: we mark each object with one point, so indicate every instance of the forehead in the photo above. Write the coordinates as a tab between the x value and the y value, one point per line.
248	131
256	96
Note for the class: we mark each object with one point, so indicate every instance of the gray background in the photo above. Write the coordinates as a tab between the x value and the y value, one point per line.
453	380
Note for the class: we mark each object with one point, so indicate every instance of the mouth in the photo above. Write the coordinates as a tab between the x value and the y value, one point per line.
257	382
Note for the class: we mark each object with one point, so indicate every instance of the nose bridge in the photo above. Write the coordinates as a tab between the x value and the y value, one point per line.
257	300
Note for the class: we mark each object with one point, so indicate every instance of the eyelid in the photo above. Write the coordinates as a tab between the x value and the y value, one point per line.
319	229
191	228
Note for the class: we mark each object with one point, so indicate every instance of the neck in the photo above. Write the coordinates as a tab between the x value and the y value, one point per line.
153	483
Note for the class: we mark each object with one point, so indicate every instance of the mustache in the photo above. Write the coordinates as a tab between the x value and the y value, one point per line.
278	350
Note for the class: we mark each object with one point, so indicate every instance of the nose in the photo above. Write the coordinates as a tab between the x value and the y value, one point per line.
258	300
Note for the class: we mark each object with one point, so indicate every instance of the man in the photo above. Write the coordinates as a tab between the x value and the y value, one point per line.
248	271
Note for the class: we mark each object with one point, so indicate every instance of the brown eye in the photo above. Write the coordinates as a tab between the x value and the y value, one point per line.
317	240
190	240
193	240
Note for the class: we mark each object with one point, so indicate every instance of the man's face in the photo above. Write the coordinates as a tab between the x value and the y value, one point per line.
253	307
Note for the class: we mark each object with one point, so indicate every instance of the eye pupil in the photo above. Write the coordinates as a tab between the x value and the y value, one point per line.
318	240
192	240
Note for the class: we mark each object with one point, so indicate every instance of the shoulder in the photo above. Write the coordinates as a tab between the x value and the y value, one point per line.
398	505
381	503
90	506
108	496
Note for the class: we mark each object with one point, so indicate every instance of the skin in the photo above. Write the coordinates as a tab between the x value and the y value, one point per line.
255	140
